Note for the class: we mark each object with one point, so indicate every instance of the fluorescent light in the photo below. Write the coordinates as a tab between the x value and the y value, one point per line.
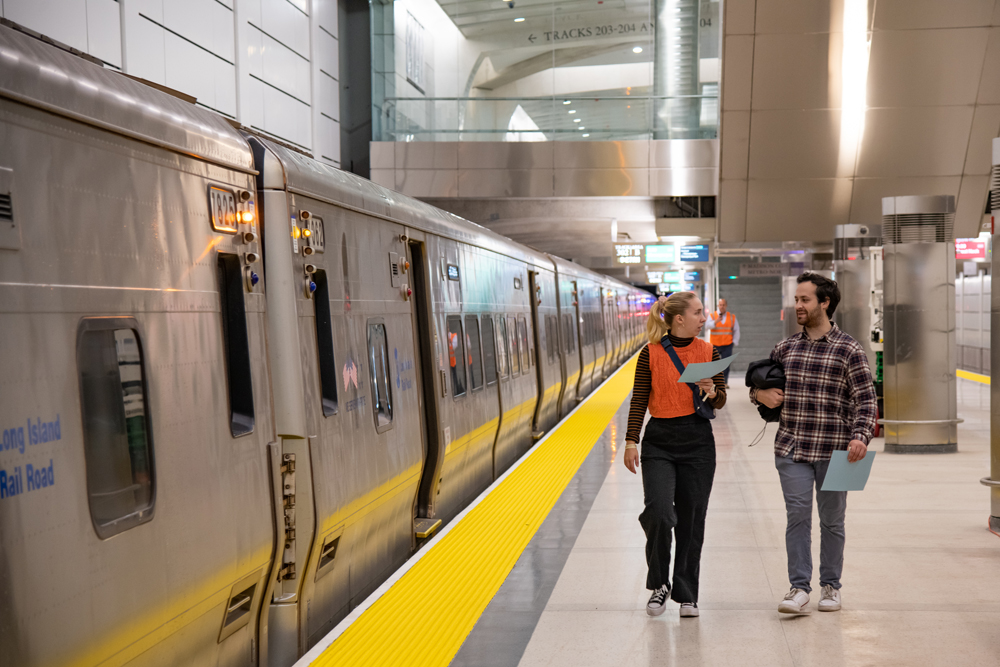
518	20
854	83
587	135
576	120
581	127
565	101
637	49
572	111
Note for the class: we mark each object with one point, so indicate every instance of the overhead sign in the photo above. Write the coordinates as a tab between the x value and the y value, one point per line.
669	287
694	253
660	253
692	276
654	277
763	270
630	253
970	249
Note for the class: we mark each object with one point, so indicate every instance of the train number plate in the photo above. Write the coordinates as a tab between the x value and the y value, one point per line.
222	206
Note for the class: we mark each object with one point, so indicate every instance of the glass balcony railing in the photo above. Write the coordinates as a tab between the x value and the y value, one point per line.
574	118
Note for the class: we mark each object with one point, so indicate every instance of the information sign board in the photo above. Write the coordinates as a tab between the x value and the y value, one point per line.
694	253
630	253
660	253
970	249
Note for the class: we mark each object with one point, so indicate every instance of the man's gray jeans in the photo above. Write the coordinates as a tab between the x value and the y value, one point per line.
797	480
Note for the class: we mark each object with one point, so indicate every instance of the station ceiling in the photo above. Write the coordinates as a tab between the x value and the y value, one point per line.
829	106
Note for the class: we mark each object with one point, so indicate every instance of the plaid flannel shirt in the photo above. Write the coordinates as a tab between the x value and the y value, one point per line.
829	396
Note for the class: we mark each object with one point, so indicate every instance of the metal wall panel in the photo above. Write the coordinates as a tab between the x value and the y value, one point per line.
548	169
505	182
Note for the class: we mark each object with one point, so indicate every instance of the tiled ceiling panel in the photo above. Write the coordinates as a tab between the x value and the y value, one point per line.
912	68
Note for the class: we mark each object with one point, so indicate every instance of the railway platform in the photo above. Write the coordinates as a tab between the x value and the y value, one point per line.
547	567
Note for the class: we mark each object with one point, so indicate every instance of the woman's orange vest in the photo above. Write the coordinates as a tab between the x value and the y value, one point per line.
668	397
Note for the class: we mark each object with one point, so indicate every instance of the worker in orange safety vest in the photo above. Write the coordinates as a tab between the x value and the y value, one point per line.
724	332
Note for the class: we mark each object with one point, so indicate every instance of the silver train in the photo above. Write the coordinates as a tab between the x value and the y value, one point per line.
238	387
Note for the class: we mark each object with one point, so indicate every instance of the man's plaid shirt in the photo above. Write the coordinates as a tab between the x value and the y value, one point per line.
829	395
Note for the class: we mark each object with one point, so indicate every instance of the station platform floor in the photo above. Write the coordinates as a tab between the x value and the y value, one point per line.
921	581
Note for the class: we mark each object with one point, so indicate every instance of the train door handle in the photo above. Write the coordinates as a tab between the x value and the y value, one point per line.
444	384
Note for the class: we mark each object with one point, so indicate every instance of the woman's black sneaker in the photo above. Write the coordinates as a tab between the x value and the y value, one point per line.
658	600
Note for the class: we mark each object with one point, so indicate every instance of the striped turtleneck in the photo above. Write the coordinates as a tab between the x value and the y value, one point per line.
644	383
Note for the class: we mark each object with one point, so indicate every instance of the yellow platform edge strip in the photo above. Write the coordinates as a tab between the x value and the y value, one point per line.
424	618
975	377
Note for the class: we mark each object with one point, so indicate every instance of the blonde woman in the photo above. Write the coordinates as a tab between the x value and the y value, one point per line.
678	450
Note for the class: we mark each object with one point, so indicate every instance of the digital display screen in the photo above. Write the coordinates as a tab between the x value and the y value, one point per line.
629	253
670	287
694	253
452	272
970	249
654	277
658	254
671	277
692	276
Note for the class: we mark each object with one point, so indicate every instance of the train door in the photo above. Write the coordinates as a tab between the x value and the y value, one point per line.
424	523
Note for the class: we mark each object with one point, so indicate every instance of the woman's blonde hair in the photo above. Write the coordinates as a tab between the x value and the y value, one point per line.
662	314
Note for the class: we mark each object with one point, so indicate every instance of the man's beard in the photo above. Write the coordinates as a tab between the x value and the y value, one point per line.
813	318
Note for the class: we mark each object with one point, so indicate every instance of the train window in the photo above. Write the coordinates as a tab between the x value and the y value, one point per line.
489	351
378	362
522	328
117	439
502	354
324	344
456	356
234	330
515	356
570	334
474	351
551	332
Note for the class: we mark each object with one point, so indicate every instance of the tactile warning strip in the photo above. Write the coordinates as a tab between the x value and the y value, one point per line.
975	377
427	614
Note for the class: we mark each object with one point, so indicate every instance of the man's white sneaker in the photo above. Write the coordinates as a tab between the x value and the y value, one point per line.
795	602
829	599
658	601
689	609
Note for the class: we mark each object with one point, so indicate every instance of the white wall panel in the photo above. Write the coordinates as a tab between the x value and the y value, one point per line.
285	69
144	49
151	8
287	117
287	24
104	31
205	22
200	47
252	103
253	50
328	140
325	11
327	53
249	11
329	97
196	72
62	20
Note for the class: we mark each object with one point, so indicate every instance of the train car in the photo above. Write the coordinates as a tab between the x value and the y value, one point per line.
240	386
135	496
